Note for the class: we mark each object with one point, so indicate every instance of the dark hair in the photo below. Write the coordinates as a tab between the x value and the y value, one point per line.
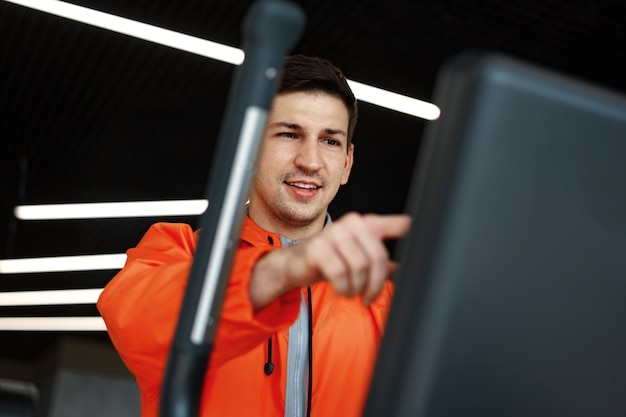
306	73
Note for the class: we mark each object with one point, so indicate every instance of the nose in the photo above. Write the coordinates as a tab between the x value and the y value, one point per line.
309	157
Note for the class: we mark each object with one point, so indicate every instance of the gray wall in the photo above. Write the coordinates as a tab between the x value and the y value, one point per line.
79	394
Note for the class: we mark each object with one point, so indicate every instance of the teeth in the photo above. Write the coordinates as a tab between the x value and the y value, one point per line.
306	186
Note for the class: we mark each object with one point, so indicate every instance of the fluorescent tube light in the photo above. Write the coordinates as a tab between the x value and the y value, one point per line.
62	263
394	101
136	29
55	324
53	297
111	210
214	50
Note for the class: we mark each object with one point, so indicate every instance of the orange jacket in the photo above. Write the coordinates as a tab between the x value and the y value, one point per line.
141	304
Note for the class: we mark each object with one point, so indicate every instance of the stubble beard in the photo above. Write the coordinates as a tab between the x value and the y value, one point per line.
297	214
283	208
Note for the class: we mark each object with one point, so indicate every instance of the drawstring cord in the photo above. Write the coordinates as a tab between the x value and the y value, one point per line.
268	368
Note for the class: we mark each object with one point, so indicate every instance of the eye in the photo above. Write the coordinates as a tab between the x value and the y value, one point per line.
290	135
332	142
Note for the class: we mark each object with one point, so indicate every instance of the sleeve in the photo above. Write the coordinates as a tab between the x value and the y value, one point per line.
141	304
381	306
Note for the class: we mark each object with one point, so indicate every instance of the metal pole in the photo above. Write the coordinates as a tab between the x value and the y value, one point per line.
270	29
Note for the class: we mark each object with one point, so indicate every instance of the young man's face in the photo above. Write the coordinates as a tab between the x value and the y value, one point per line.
303	160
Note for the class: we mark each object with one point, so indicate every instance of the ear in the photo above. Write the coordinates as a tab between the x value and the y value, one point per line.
348	167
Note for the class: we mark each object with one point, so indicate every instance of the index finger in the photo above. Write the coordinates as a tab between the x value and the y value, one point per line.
389	226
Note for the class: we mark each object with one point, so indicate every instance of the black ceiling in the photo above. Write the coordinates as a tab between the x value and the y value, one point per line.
90	115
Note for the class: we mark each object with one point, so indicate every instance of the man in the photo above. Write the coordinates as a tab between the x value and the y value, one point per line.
307	298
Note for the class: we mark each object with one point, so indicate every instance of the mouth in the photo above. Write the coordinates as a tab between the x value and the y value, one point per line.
303	185
303	190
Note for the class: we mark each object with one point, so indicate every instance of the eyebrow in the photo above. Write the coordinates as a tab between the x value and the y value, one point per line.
296	126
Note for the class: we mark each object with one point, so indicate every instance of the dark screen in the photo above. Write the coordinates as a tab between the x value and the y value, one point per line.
511	295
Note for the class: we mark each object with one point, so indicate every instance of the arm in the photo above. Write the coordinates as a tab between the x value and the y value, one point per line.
350	254
141	304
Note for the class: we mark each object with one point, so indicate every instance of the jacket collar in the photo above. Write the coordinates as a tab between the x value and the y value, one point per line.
253	234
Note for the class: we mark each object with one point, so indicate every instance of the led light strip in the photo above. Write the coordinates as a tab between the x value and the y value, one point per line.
214	50
62	264
49	297
395	101
111	210
136	29
54	324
